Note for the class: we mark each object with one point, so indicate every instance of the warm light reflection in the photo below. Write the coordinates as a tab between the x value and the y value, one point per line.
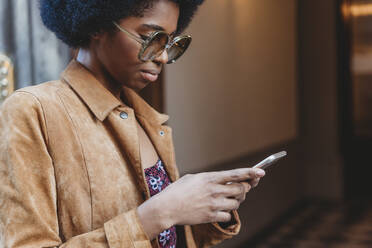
357	9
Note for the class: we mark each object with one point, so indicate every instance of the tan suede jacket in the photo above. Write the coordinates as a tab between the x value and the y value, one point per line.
70	169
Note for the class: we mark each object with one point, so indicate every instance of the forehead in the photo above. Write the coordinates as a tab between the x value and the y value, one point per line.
163	13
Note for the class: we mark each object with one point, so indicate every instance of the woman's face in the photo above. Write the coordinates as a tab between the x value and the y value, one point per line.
117	52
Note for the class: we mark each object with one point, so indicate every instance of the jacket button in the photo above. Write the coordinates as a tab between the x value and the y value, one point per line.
123	115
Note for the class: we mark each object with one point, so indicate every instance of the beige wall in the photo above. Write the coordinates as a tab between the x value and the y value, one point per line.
234	91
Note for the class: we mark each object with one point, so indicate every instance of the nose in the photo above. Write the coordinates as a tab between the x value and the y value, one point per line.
162	58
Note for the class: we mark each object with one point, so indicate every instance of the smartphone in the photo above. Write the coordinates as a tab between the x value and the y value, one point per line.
264	164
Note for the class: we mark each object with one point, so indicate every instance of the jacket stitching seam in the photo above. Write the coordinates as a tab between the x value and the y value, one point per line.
84	159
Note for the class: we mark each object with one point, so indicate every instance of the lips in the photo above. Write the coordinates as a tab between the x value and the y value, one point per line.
150	75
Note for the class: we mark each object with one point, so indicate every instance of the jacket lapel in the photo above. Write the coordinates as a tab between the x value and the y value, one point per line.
160	135
126	135
108	109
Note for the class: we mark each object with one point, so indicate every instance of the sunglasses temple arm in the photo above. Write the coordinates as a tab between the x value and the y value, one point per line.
139	40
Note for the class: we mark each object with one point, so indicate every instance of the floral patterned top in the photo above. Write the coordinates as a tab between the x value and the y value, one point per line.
157	179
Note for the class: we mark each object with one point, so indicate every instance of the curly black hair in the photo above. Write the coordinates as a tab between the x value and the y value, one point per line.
75	21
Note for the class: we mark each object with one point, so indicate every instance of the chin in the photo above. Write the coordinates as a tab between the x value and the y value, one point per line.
138	85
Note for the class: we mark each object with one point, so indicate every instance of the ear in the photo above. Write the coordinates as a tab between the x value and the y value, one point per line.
97	35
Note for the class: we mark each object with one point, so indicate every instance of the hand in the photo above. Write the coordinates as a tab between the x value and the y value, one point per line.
248	186
198	198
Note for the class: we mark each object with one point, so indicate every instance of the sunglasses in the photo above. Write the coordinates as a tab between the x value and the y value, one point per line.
155	44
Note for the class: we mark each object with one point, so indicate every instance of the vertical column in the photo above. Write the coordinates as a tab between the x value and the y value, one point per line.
36	53
22	30
5	29
50	56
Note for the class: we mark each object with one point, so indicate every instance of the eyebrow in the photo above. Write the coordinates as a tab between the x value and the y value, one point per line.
156	27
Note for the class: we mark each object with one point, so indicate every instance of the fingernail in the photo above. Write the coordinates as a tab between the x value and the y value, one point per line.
260	173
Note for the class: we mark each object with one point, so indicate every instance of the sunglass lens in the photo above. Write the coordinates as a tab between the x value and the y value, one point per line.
155	47
178	48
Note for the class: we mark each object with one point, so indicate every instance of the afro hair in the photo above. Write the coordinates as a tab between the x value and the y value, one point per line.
75	21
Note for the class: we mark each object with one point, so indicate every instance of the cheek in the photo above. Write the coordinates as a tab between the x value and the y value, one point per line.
121	58
125	51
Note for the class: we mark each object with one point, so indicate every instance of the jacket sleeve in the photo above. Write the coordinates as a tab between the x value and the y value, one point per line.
207	235
28	200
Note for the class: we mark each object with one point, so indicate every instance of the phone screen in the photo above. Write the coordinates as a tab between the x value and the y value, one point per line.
264	164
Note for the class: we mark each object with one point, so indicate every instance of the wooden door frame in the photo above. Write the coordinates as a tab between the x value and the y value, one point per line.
344	76
354	149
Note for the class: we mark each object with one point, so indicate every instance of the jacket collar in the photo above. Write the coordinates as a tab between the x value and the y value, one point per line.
142	108
100	100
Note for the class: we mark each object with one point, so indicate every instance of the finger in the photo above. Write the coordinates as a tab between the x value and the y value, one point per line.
222	216
254	182
228	204
236	175
241	198
247	186
230	190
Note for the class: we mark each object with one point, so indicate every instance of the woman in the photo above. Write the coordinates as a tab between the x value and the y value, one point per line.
85	162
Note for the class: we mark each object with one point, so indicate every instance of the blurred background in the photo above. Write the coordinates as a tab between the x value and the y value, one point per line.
260	77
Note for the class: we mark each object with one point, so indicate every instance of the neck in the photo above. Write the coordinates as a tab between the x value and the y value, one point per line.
90	61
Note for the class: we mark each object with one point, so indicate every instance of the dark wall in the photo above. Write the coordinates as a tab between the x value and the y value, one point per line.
322	161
